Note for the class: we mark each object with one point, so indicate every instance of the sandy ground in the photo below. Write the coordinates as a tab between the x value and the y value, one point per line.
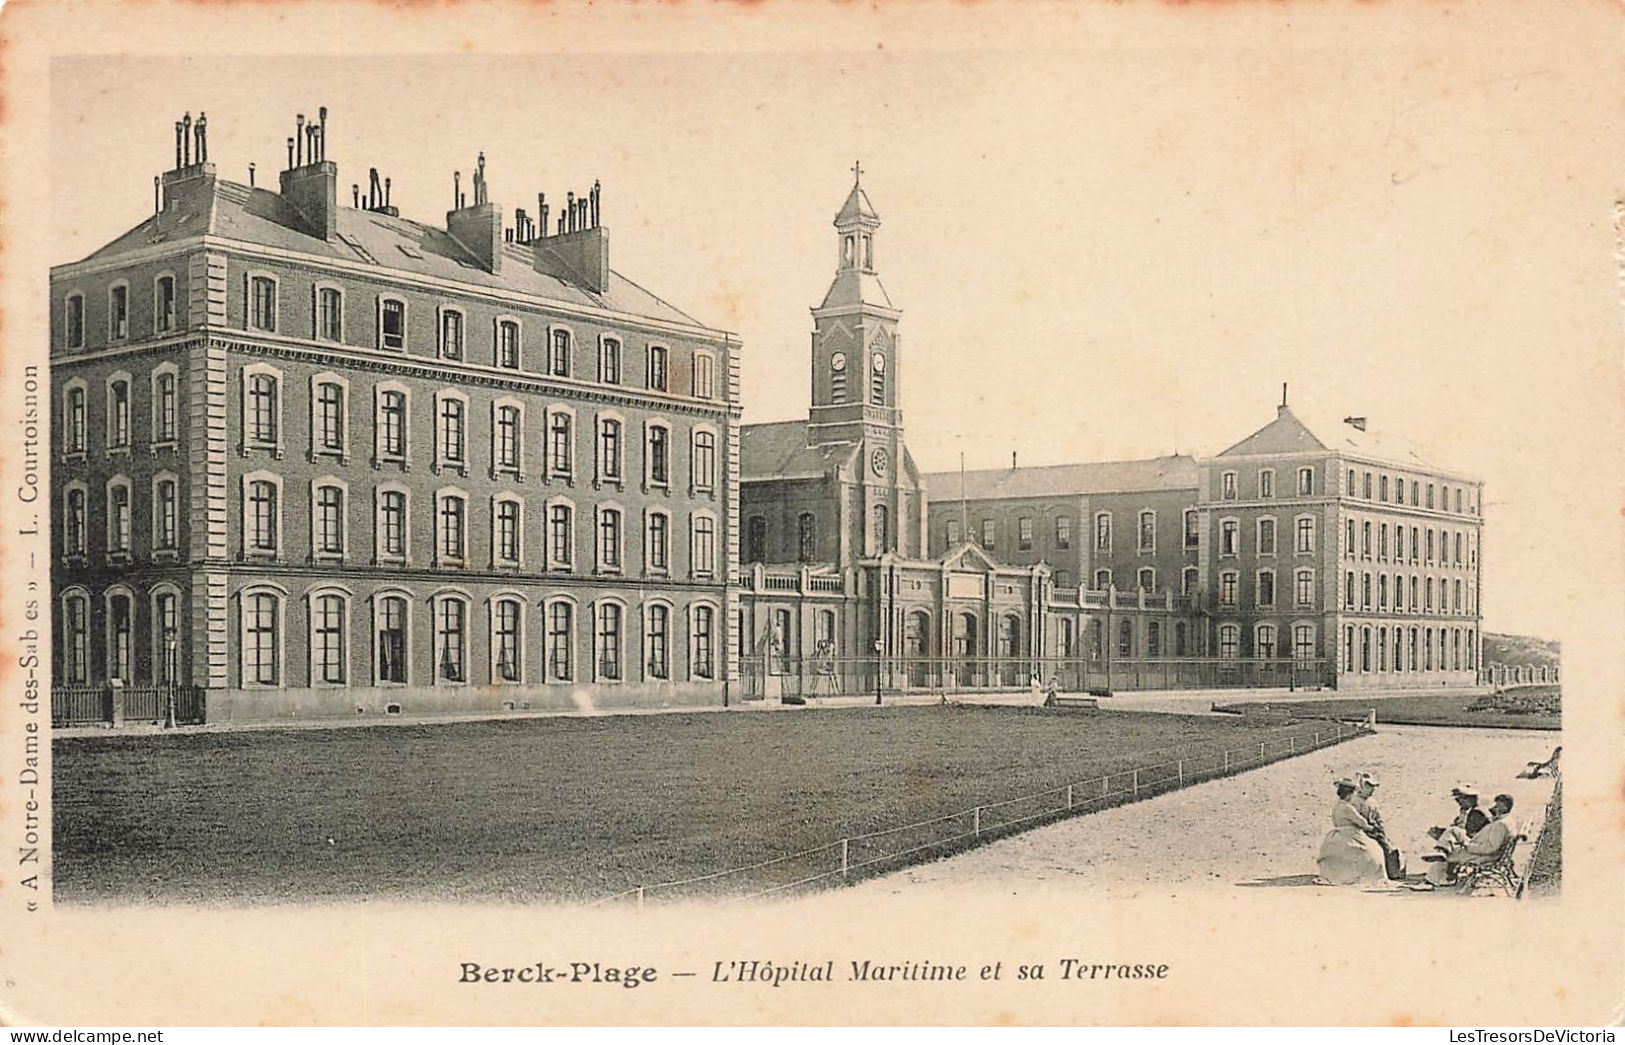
1259	829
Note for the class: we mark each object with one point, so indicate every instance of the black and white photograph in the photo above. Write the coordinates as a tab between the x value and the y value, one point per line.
1031	505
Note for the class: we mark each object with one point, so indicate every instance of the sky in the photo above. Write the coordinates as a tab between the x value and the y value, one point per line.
1101	251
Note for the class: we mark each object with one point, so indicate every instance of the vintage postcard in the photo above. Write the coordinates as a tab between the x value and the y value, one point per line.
1039	514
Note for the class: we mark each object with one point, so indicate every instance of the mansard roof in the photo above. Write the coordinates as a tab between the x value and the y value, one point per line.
264	218
1177	472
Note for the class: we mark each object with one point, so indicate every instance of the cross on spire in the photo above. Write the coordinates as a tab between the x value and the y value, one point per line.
857	171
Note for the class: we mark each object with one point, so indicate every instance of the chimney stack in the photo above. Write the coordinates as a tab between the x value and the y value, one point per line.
191	183
311	184
478	228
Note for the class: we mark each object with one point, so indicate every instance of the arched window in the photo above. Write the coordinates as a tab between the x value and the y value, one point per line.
118	411
1229	641
73	321
329	415
657	641
703	545
657	455
165	513
261	644
1264	642
657	544
507	510
883	537
262	301
392	324
74	417
1303	645
560	534
118	311
1125	638
76	638
658	375
451	527
1148	578
327	517
118	517
609	449
120	606
702	662
392	623
1103	579
507	437
262	494
328	324
329	638
704	461
507	639
451	430
262	408
608	639
609	360
609	538
806	537
507	344
165	403
1181	641
73	520
558	352
450	613
451	334
560	640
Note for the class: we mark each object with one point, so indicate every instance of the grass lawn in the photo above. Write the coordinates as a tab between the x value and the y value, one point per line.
553	808
1423	710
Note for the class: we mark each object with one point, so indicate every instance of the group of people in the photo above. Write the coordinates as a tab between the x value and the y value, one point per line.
1358	849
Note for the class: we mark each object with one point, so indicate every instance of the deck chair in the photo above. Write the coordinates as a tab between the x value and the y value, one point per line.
1497	870
1535	769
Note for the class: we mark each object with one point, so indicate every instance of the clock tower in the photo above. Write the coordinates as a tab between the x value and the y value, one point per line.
855	376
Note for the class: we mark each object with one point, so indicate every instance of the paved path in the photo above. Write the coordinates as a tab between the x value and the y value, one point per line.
1259	829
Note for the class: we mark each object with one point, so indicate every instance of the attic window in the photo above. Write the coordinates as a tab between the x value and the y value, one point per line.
355	245
409	251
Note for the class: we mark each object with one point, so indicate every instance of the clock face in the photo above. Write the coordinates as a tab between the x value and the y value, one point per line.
879	460
879	362
837	362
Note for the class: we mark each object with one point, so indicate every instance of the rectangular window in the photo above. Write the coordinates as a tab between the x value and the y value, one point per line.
452	514
329	314
262	303
75	332
392	425
507	434
1063	531
1306	535
329	520
118	313
1266	588
1266	536
705	461
658	552
1229	642
163	305
609	361
118	519
392	524
1306	587
609	538
558	355
1266	483
76	628
559	445
1227	486
1229	537
73	537
561	544
1024	533
951	532
705	545
508	345
1192	529
1382	543
75	424
163	409
989	531
1306	482
330	417
118	421
262	409
1148	531
451	334
1103	532
704	376
609	450
262	514
451	431
1266	642
166	536
658	366
659	456
1227	588
392	324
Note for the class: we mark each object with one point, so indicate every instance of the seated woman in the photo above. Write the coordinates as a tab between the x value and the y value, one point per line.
1483	846
1348	854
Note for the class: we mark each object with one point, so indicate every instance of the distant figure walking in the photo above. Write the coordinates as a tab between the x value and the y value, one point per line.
1348	855
1050	692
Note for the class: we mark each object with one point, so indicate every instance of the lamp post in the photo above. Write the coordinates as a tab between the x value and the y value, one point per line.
169	690
877	672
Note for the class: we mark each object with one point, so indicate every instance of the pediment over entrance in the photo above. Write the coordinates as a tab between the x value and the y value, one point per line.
968	556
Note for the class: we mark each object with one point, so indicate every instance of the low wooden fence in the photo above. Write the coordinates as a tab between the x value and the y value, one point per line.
851	858
109	705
